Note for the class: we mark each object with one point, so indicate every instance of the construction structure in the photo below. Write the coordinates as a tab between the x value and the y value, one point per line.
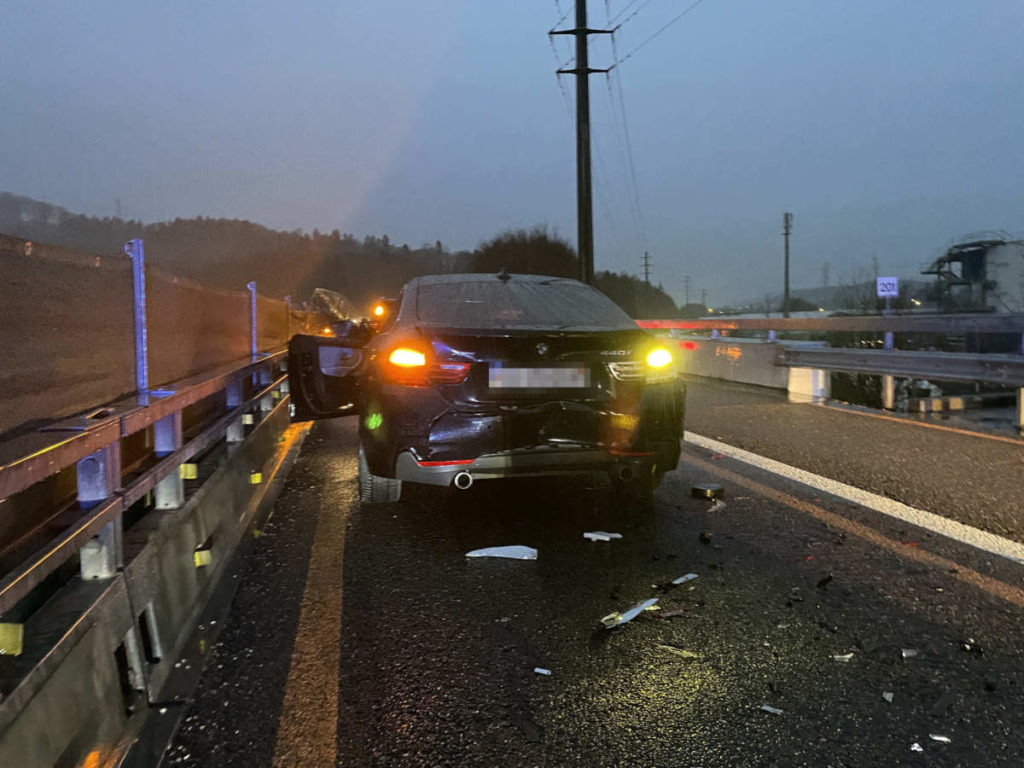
980	272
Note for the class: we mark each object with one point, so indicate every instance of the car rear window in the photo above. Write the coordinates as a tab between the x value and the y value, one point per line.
549	304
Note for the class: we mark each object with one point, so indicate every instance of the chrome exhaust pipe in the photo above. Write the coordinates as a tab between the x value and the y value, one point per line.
462	480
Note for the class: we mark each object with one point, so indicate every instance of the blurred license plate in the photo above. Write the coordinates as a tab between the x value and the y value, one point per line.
539	378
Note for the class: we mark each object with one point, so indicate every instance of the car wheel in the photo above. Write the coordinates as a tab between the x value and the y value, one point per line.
374	489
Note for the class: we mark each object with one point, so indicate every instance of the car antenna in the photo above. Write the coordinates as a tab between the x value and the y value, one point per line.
504	275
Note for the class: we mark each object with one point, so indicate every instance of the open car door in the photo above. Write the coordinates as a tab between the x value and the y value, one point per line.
323	376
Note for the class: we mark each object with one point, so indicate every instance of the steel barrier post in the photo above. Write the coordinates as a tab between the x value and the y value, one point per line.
1020	408
99	476
136	250
771	337
253	337
169	492
888	392
889	343
236	429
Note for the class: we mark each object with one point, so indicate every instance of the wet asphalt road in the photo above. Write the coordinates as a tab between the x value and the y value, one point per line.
363	636
967	477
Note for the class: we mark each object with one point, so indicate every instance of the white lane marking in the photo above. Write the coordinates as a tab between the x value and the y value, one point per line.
965	534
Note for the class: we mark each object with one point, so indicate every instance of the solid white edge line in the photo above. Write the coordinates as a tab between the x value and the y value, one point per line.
944	526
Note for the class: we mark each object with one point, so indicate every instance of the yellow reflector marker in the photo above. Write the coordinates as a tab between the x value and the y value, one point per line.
276	395
202	557
255	478
12	637
659	358
407	358
247	418
188	471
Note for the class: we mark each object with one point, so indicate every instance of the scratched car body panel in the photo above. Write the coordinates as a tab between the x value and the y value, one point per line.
480	377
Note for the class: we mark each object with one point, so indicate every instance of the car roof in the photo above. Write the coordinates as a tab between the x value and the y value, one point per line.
476	277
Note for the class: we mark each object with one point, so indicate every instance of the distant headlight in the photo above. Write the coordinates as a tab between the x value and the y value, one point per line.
659	358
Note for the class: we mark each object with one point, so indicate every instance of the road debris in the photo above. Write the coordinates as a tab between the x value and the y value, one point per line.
770	710
718	506
939	738
669	585
842	657
542	671
707	491
888	696
680	652
971	646
915	747
705	538
616	619
824	582
514	552
601	535
909	653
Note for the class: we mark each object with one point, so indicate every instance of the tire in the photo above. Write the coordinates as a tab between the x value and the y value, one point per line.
374	489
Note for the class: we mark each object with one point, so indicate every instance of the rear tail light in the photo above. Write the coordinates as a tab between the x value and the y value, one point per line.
403	357
417	368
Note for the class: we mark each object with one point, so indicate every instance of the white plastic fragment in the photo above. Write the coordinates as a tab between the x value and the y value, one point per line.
909	653
770	710
542	671
601	535
888	696
718	506
514	552
613	620
842	657
684	579
915	747
939	738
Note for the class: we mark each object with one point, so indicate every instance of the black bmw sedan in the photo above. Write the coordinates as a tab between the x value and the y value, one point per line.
477	377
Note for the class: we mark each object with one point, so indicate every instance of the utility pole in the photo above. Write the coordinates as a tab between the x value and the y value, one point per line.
787	227
647	268
704	297
825	274
584	197
686	289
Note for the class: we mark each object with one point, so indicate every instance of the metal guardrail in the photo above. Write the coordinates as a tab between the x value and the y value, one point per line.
95	450
1007	370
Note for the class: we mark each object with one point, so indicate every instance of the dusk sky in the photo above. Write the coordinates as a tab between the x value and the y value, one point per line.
886	126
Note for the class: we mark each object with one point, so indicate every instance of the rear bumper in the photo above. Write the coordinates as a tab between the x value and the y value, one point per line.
522	463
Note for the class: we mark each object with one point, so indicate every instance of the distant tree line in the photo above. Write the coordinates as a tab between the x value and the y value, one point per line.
227	253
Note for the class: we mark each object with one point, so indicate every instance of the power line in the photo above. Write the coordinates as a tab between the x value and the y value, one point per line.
620	138
629	147
629	5
649	39
631	16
